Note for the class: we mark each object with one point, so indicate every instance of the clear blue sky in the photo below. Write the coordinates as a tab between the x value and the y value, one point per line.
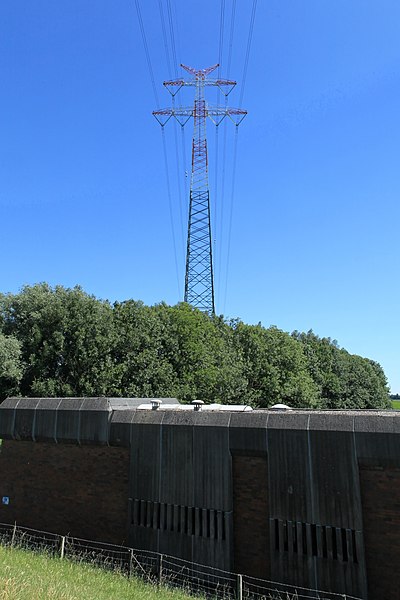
314	241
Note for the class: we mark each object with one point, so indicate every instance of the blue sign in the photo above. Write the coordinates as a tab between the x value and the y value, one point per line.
5	500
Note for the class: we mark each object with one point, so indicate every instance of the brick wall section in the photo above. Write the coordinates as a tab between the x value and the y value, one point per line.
380	496
251	516
66	489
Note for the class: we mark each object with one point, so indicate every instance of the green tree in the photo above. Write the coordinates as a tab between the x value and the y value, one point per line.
362	384
275	368
66	338
64	342
343	380
202	354
142	365
10	366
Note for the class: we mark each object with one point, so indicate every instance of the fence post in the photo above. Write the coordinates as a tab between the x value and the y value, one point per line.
160	568
239	587
62	550
130	562
14	533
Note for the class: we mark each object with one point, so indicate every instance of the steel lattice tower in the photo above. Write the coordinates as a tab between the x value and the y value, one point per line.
199	279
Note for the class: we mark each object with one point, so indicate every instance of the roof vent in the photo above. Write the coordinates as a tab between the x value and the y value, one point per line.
197	404
280	407
155	404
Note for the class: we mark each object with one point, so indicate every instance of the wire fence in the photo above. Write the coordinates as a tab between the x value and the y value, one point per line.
159	569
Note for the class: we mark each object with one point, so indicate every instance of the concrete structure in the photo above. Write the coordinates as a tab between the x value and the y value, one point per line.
308	498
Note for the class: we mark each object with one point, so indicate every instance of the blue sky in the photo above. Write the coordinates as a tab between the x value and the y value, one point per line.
315	212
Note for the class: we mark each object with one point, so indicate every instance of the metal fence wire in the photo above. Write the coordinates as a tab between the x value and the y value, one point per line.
160	569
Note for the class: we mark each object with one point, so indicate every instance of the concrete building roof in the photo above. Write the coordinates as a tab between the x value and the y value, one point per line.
107	420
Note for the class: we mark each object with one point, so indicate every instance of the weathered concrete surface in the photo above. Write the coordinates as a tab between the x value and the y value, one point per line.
189	473
66	420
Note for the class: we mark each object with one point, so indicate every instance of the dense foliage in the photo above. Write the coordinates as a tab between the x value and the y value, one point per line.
64	342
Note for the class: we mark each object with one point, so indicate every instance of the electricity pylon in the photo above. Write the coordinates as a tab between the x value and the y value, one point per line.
199	279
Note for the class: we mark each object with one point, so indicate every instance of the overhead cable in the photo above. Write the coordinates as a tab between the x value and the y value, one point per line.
172	34
164	32
146	51
221	208
247	56
179	175
230	220
151	73
233	14
221	36
216	178
185	167
171	215
244	76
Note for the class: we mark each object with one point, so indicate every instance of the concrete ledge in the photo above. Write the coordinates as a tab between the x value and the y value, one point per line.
253	420
288	420
248	432
381	423
331	421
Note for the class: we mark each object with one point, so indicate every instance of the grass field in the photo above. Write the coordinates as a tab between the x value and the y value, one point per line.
396	404
28	576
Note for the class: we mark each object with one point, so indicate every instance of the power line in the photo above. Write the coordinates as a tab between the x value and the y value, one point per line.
222	199
216	199
216	179
231	37
221	36
164	32
185	166
246	60
179	181
231	215
151	73
172	34
221	210
147	53
245	69
170	208
170	72
173	53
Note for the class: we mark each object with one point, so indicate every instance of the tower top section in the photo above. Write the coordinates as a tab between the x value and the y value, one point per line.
200	77
200	73
200	80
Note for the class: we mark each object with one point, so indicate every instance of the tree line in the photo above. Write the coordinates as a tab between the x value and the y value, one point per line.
58	342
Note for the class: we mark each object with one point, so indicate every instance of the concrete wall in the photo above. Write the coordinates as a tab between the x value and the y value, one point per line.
183	472
307	498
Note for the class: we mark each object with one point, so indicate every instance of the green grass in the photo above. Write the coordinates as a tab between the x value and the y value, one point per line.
26	575
396	404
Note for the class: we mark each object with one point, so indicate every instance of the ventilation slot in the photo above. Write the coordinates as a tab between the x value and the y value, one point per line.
186	520
309	539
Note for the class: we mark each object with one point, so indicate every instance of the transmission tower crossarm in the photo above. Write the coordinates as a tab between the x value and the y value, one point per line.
192	82
209	111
